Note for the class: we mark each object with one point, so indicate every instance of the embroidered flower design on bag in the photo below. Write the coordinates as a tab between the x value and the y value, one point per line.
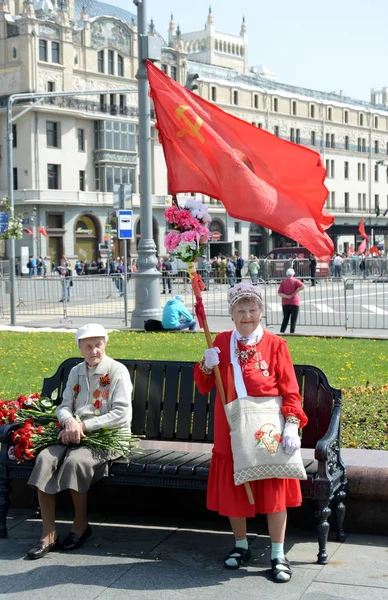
269	437
104	380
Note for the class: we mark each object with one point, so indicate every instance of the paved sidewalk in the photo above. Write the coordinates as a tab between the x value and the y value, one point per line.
155	558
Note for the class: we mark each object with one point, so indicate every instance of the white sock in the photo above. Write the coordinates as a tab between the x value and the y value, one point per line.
277	551
232	562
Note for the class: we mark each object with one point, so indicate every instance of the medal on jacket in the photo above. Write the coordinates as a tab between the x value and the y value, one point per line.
261	364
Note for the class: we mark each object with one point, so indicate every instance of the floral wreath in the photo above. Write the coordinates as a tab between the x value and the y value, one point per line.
190	235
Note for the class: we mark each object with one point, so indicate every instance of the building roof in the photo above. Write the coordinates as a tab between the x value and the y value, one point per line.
99	9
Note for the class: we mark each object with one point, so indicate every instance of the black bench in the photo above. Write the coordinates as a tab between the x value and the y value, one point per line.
167	407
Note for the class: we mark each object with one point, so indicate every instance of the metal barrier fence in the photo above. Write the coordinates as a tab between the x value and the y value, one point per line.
350	302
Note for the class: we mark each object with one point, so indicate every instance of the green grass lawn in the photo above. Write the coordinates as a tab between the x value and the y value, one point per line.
359	367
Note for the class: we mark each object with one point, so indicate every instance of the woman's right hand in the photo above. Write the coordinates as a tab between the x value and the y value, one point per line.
211	357
72	433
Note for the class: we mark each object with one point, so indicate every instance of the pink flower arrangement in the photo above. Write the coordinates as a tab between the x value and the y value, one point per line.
190	233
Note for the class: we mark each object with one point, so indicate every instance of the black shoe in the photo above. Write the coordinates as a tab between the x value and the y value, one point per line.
164	291
74	541
41	549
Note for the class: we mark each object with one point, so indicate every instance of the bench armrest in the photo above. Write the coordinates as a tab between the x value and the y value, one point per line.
7	430
330	438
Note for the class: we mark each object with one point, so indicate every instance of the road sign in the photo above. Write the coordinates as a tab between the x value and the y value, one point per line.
215	236
108	228
3	222
124	224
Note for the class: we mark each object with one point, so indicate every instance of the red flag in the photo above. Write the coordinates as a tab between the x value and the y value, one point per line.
28	231
362	247
258	177
43	231
361	229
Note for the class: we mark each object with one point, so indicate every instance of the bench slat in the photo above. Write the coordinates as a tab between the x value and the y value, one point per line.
155	401
186	393
170	402
200	416
325	407
174	467
140	399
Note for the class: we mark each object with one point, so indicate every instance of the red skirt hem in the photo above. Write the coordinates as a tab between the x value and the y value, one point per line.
229	500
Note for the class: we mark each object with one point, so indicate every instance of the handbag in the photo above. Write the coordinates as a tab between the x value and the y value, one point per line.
256	427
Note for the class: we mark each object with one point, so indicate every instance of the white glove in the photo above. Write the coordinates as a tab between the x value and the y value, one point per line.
211	357
291	439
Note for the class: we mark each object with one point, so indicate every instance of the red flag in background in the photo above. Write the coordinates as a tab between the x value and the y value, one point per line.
361	229
43	231
362	247
258	177
28	231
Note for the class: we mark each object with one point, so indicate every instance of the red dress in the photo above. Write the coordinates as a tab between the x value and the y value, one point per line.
271	495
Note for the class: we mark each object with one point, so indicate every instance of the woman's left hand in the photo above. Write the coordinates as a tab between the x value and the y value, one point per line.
291	439
72	432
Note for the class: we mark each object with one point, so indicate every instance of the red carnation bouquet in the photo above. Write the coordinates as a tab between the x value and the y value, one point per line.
39	428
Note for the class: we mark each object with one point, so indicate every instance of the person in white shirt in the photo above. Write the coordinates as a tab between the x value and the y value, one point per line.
337	264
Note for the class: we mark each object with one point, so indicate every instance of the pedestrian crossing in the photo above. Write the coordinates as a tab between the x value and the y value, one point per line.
275	307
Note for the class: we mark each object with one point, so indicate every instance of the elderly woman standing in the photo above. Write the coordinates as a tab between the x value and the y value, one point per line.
263	362
97	394
289	292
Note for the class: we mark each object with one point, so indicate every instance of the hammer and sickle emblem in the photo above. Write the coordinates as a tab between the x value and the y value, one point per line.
193	129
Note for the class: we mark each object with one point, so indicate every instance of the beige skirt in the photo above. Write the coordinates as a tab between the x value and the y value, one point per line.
59	468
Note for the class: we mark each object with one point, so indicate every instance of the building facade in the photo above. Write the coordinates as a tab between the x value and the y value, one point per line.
69	153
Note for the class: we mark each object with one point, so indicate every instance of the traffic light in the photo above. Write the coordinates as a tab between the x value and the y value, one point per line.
190	79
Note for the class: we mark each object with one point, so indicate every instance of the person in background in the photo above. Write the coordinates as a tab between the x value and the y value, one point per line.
261	361
166	274
289	292
337	265
78	267
176	316
70	465
253	269
205	272
239	267
313	268
53	268
230	271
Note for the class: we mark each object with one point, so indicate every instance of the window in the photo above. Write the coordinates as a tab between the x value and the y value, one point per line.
51	88
120	65
346	169
346	116
364	144
14	136
81	140
164	69
15	179
235	97
260	125
53	172
361	119
43	50
376	173
359	171
327	143
122	104
312	111
256	100
173	72
332	141
329	114
346	199
358	144
102	102
312	138
376	147
376	122
359	196
364	201
55	57
332	198
111	69
100	61
275	105
363	172
276	130
82	181
213	91
237	227
377	203
54	221
346	144
52	134
97	178
386	149
292	134
293	107
297	137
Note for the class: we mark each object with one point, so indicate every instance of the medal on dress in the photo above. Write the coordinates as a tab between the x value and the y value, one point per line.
262	365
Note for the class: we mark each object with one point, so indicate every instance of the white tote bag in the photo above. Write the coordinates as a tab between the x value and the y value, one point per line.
256	429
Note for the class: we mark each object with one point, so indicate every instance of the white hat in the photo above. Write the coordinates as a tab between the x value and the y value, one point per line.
243	290
91	330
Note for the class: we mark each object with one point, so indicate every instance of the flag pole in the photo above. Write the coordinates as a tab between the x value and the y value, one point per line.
198	285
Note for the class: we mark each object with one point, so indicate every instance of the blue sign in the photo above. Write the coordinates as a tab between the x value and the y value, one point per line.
124	224
3	222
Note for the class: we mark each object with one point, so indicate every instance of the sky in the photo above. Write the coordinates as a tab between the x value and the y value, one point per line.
329	46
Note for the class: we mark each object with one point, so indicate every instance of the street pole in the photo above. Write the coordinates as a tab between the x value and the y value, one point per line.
11	241
147	278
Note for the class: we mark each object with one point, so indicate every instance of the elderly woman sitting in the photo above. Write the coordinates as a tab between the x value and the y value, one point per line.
97	394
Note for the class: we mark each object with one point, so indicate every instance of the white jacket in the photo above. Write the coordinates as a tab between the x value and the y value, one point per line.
115	410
